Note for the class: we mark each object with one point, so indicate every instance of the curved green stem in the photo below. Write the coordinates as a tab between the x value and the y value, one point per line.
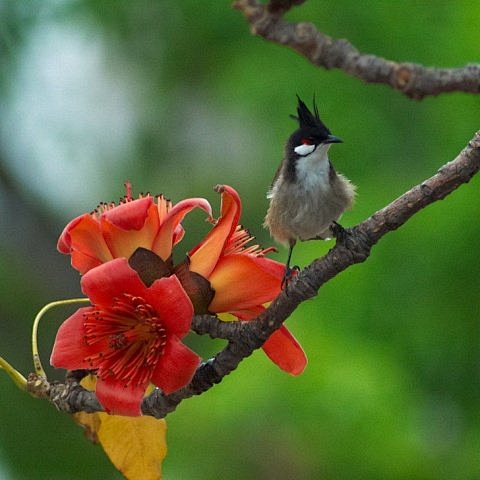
36	357
19	380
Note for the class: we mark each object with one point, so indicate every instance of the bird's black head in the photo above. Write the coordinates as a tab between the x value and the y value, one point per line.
311	133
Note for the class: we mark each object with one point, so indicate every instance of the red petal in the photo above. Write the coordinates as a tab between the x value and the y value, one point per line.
169	232
139	229
70	349
118	399
176	367
64	242
178	234
249	313
83	235
242	281
205	255
82	262
283	349
110	280
129	215
170	300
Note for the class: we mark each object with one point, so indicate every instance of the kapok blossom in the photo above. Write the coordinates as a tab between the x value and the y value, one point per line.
221	275
113	231
243	279
130	336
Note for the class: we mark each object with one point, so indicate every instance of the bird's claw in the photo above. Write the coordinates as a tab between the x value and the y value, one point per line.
290	274
339	232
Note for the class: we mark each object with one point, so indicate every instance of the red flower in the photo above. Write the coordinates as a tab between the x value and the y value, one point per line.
243	279
130	336
114	231
222	274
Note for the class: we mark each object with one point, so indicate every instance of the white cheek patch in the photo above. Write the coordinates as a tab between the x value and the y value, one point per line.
304	149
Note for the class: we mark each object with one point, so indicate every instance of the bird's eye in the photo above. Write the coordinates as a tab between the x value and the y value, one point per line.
307	141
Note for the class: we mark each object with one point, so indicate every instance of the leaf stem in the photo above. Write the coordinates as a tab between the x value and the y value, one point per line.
19	380
36	357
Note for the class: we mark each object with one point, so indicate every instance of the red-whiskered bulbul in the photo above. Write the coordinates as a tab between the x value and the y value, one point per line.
307	196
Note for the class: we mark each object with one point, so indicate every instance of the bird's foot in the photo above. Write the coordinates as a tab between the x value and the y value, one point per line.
339	232
290	274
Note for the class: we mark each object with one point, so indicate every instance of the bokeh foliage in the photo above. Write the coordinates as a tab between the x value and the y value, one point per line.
186	98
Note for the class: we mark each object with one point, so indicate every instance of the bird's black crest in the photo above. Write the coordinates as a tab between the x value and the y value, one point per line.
308	120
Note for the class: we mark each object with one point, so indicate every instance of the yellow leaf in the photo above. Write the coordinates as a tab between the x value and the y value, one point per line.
135	445
90	422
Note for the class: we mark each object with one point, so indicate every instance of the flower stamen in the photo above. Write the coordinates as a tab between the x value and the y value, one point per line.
133	336
238	244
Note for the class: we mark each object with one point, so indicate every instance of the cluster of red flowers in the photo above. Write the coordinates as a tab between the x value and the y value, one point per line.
142	304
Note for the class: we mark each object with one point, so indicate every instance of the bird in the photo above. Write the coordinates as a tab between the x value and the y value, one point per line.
307	196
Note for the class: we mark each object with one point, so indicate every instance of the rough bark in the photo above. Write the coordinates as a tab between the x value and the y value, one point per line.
412	79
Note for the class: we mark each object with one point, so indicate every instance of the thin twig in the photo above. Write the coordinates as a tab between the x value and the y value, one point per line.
412	79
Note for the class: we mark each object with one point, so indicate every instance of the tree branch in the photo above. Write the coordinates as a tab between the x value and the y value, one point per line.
246	337
411	79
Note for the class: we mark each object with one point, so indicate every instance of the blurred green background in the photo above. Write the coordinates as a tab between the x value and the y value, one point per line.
177	96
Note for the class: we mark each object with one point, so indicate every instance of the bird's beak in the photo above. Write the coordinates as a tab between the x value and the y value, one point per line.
333	139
